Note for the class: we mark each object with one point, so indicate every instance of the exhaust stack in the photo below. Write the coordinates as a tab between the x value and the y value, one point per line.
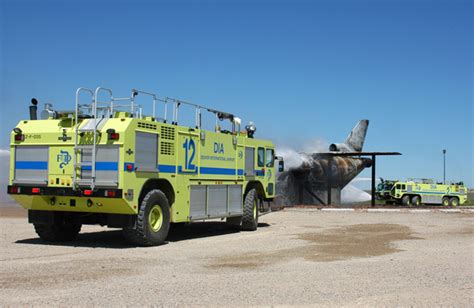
34	109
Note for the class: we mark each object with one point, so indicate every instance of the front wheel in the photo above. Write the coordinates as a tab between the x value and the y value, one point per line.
153	221
57	232
250	217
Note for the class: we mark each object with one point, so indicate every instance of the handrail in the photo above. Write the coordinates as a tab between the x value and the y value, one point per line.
135	92
111	104
136	110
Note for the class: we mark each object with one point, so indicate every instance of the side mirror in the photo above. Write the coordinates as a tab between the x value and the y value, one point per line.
281	164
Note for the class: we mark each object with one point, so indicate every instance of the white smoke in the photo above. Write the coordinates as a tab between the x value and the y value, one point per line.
316	146
4	174
295	158
291	158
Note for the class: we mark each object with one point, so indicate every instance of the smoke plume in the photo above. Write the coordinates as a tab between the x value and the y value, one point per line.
294	158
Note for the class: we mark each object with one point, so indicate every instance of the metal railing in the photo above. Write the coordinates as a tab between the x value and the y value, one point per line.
135	110
95	110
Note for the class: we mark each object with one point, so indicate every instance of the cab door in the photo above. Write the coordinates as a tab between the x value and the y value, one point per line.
260	168
270	171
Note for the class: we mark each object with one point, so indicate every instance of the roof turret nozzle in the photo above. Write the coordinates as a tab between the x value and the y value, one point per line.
251	129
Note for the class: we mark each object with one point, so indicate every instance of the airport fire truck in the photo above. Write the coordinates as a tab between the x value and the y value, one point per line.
107	163
424	191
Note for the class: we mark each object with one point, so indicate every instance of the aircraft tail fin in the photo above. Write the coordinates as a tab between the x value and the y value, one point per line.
356	138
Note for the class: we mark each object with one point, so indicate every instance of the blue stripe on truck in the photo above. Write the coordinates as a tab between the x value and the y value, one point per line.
31	165
103	166
167	168
203	170
220	171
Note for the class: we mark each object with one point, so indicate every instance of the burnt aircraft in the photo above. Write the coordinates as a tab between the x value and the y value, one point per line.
322	176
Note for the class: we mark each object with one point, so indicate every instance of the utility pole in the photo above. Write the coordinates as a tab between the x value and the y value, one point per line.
444	166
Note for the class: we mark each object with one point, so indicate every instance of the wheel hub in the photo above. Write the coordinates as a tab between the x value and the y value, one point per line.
155	218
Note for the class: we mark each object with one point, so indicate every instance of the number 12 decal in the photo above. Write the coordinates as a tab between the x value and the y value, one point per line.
189	152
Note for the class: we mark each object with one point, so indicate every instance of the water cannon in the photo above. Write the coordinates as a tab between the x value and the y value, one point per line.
251	129
50	113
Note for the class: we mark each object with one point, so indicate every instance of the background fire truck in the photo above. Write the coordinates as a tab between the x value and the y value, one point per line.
424	191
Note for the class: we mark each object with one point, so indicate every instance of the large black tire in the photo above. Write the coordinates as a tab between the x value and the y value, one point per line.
57	232
153	221
250	217
445	201
454	201
416	200
406	200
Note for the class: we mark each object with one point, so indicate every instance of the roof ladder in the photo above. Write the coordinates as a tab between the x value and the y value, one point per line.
90	128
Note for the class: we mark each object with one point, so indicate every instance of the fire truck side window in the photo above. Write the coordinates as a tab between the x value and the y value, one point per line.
261	157
270	158
398	186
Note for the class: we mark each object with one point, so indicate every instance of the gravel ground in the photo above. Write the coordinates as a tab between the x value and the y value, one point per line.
297	257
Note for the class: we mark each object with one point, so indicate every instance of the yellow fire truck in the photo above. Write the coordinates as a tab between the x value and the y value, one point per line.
107	163
424	191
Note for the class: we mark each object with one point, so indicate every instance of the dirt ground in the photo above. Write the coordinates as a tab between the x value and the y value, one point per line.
297	257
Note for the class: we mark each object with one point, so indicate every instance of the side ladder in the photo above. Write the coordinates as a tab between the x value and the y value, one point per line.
90	128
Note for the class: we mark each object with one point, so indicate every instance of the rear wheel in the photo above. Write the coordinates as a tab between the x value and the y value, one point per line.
57	232
406	200
445	201
153	221
454	201
416	200
250	217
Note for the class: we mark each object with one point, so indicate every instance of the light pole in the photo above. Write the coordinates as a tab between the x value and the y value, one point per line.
444	166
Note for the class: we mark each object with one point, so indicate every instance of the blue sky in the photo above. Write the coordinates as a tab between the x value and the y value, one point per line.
301	70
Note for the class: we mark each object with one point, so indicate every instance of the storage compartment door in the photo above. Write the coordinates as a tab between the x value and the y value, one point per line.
31	165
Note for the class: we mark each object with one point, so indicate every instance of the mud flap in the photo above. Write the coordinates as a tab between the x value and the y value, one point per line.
41	217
